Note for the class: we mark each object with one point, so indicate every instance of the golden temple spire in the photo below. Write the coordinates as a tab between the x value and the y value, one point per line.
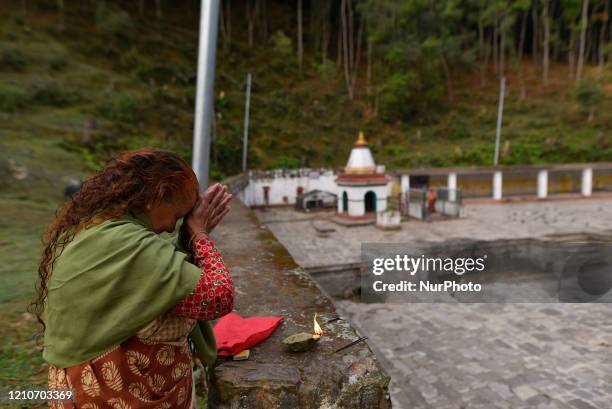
361	140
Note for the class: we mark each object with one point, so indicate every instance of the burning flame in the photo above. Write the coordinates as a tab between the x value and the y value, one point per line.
318	332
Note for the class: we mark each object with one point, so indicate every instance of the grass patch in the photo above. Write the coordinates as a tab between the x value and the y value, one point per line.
12	98
21	226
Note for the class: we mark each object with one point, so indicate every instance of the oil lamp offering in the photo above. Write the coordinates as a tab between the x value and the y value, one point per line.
303	341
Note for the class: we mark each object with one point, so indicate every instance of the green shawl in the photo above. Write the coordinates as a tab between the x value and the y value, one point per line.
112	280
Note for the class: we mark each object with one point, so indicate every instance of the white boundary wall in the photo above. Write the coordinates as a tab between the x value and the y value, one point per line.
285	183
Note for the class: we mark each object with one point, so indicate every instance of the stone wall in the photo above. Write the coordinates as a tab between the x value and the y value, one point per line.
237	184
269	283
283	185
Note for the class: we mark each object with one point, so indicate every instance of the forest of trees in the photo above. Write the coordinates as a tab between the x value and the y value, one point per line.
410	50
420	77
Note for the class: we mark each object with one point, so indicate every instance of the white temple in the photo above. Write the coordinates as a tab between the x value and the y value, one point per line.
361	189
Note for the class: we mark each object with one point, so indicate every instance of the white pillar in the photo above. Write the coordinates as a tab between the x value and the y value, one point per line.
382	198
405	187
356	205
497	185
542	184
452	187
405	183
587	181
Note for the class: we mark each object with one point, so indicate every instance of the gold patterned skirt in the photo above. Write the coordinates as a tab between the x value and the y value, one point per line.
152	369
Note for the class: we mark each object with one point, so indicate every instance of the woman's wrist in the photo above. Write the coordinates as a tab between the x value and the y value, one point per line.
196	236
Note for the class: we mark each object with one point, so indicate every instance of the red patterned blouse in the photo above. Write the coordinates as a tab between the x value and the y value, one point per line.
213	296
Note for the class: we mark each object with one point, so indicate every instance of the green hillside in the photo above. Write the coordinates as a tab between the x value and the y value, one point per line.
112	80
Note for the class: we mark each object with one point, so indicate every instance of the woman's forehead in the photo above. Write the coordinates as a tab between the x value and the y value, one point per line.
191	197
185	200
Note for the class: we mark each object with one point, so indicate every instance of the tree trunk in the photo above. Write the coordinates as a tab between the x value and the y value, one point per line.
299	34
535	33
249	23
518	55
223	27
24	8
502	50
449	83
546	48
141	8
60	8
602	36
228	23
591	50
556	44
251	17
316	28
339	47
351	48
589	53
495	43
486	59
583	29
264	19
326	28
376	103
358	56
369	70
351	56
481	51
571	55
521	45
158	10
345	45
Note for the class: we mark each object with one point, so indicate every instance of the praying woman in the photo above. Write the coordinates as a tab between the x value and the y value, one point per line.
118	299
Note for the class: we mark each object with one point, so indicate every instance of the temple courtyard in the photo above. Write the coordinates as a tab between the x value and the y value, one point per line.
314	240
473	356
486	356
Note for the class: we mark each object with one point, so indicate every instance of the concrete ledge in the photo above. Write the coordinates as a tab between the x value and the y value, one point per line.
269	282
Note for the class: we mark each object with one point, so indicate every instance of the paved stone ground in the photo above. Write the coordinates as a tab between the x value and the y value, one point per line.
482	222
475	356
487	356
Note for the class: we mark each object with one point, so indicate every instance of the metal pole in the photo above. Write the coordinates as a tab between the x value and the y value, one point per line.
502	89
209	15
247	109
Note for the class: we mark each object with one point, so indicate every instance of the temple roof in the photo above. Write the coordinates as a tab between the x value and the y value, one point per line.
361	160
355	179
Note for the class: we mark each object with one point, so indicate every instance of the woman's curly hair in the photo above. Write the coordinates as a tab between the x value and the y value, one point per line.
132	180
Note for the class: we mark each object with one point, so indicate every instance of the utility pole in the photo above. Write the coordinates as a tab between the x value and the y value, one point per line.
247	109
502	89
209	16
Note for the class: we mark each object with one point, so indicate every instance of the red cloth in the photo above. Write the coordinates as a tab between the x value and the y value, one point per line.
234	334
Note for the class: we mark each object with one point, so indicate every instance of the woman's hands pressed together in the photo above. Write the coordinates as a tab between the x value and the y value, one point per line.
210	208
213	295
